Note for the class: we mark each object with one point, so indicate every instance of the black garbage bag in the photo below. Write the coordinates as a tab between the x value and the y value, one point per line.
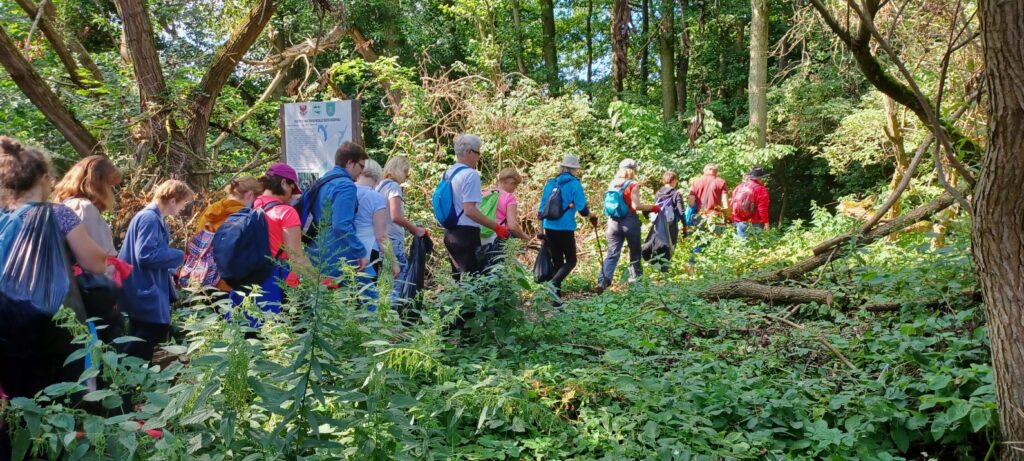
543	268
658	246
99	296
491	254
415	277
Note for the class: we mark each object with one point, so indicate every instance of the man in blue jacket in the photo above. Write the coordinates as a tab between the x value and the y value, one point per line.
560	233
340	245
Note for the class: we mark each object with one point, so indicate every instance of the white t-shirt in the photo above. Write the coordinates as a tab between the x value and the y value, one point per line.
390	188
370	202
465	189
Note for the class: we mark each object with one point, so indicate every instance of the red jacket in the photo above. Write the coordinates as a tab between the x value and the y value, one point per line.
760	194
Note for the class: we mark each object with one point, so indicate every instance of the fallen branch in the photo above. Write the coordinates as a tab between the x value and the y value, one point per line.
819	337
752	290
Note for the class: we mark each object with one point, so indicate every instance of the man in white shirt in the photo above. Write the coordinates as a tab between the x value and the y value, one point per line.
463	240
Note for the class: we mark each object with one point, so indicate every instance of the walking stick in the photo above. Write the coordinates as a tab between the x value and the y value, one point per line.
597	239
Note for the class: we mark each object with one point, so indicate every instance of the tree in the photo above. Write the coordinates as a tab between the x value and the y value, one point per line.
645	49
547	19
998	243
620	44
757	90
667	55
682	61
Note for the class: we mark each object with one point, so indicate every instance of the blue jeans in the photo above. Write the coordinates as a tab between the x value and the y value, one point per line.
271	295
397	245
743	227
622	231
368	293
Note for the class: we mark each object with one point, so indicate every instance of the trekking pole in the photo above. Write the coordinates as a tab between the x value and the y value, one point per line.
597	239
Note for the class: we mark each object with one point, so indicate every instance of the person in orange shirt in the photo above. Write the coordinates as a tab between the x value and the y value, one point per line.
199	267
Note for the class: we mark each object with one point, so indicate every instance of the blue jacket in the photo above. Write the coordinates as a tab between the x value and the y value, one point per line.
572	193
147	293
341	244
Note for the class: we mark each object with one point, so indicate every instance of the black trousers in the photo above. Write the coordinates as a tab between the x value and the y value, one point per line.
562	245
462	243
151	334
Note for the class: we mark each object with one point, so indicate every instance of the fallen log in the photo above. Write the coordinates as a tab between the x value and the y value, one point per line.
756	286
817	260
773	294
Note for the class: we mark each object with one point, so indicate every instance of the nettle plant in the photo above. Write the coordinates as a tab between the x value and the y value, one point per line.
325	379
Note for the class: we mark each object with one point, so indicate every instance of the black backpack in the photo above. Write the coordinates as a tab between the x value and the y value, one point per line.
553	208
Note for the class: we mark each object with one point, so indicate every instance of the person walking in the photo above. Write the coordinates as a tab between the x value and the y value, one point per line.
463	240
749	204
507	211
334	195
199	268
622	202
33	351
371	223
396	172
669	196
560	225
88	190
147	293
712	192
284	229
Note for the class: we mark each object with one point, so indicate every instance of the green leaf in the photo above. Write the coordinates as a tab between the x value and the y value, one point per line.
980	418
940	382
96	396
20	443
900	438
175	349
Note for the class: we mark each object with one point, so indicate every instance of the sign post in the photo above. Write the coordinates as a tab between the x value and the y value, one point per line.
312	131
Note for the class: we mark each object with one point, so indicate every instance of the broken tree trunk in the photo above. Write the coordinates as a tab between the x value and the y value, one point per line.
755	287
780	295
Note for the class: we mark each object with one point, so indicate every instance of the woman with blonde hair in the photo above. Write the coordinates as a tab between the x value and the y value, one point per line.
623	223
371	224
396	172
148	292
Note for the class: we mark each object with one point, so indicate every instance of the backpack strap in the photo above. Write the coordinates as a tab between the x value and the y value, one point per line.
455	172
270	206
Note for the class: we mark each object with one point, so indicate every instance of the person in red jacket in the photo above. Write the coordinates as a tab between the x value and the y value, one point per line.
749	203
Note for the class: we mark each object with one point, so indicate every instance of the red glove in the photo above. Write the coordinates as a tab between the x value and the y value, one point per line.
501	232
292	280
655	208
593	220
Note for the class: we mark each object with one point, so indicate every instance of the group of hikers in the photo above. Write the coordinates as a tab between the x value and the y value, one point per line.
58	249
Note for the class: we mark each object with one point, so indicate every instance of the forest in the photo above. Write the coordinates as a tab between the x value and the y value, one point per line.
877	316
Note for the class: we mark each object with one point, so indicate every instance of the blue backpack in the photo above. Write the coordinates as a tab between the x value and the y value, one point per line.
444	201
241	248
615	201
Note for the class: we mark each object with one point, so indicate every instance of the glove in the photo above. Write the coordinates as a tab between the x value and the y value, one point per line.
292	280
593	220
655	208
501	232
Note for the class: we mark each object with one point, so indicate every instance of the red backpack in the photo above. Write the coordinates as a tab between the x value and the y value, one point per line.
743	202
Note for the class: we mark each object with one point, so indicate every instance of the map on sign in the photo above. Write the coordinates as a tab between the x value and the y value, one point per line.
314	130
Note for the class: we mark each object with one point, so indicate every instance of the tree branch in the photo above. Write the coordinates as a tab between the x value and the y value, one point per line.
37	91
63	45
224	63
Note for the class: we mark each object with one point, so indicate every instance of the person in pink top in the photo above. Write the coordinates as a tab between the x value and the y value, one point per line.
507	213
284	227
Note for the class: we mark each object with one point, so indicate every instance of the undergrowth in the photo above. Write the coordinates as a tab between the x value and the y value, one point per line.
646	371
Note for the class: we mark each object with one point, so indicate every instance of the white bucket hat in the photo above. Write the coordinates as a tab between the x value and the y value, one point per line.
571	161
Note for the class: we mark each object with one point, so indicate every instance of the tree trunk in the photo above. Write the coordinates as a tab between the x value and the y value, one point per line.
645	51
620	45
744	289
590	46
682	63
159	132
225	61
894	131
37	91
547	19
997	238
517	22
757	85
667	54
